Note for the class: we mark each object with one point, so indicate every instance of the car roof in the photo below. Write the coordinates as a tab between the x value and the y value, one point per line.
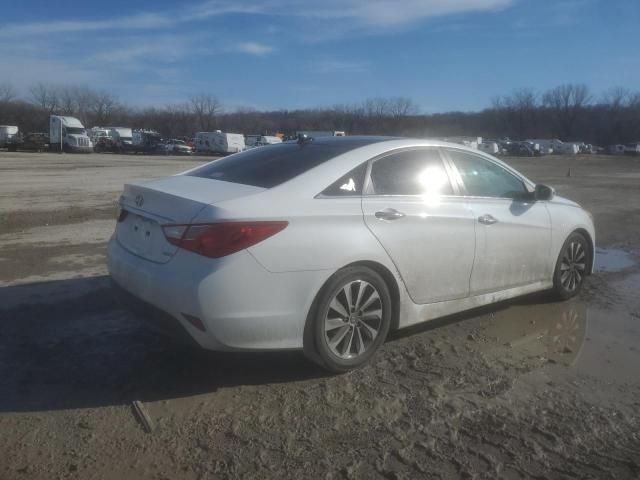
360	147
357	141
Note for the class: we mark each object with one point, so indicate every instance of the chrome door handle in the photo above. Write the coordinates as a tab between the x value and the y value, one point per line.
389	214
487	219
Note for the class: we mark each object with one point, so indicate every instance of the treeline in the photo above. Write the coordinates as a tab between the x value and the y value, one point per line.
569	112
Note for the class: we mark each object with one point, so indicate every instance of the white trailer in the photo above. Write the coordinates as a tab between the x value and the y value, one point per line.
219	142
8	136
68	134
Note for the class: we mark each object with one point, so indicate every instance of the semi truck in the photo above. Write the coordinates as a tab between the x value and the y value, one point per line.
68	134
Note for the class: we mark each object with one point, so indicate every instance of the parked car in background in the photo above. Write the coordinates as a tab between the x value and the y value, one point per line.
520	149
35	141
261	140
327	245
177	147
320	133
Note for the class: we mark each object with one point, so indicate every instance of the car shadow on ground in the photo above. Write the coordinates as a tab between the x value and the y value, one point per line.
67	344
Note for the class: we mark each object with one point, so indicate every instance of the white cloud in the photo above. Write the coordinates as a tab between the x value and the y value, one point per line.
388	13
253	48
353	13
136	22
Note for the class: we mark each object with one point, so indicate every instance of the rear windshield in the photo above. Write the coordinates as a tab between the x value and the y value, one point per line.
272	165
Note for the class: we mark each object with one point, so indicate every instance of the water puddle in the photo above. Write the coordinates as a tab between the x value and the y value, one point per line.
552	331
612	260
587	339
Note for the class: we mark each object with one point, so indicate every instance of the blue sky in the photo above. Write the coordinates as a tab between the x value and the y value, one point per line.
444	54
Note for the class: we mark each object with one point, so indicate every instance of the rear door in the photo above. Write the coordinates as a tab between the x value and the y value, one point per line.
513	232
411	207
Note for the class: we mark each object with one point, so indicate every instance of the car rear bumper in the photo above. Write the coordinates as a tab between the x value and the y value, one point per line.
154	318
241	305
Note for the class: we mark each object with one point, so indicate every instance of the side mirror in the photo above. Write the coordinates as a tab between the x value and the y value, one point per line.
543	192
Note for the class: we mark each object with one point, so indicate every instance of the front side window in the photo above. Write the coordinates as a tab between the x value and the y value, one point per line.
410	172
483	178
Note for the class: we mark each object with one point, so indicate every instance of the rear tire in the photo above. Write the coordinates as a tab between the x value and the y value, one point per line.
572	267
350	320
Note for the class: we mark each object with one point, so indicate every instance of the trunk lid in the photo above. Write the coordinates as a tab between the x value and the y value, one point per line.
172	200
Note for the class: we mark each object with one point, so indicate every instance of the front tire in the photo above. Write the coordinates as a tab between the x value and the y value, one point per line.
571	267
350	319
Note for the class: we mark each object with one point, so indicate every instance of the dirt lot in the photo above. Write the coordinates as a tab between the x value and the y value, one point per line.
525	389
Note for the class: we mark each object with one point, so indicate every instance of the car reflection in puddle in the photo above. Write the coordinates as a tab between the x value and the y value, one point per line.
555	331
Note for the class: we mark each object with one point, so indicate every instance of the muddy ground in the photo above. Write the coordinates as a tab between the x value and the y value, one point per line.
524	389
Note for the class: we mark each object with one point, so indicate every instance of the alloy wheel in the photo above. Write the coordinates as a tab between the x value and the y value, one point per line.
353	319
573	266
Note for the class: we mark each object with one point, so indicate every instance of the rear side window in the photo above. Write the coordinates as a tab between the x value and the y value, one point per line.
411	172
272	165
349	185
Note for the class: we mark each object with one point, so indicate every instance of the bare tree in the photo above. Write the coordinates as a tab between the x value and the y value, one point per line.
45	97
101	105
617	97
401	107
206	109
376	107
66	100
7	92
517	112
566	102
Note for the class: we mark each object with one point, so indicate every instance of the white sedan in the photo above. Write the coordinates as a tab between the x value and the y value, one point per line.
326	245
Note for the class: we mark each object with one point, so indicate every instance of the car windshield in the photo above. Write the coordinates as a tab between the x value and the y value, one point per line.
272	165
75	131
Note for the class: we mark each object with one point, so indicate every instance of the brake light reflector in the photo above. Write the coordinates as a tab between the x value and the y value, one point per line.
217	240
174	233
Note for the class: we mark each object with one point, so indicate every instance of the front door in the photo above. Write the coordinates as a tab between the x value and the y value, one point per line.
513	231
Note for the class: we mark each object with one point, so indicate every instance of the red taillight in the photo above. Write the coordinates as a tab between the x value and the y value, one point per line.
217	240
